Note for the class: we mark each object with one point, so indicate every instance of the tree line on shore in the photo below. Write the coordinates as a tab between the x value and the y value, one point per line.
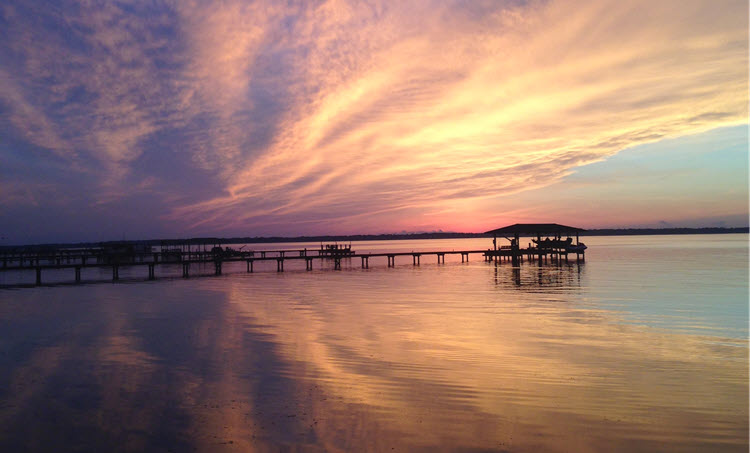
372	237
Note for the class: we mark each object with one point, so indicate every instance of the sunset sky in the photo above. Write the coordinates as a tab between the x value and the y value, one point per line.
150	119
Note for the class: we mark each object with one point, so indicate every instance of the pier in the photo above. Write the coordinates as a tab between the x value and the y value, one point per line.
40	264
552	248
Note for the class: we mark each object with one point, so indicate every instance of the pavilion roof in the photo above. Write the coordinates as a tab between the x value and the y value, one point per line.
535	228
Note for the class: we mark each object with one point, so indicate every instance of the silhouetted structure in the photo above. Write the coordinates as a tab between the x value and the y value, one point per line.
552	245
121	254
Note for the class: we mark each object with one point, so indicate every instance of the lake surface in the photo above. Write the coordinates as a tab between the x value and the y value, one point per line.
644	347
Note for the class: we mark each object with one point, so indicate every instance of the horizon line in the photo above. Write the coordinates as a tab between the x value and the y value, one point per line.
396	236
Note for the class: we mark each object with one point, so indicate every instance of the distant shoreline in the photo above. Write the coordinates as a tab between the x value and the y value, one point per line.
381	237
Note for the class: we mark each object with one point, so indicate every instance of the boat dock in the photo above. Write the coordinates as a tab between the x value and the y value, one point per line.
117	257
553	246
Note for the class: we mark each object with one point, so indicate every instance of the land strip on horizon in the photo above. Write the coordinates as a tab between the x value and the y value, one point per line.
380	237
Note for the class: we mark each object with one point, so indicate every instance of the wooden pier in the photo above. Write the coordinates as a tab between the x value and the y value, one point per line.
79	259
39	265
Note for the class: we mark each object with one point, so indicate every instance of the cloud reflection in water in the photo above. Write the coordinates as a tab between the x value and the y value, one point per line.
450	360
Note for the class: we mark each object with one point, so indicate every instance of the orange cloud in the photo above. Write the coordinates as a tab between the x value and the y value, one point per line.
244	117
389	114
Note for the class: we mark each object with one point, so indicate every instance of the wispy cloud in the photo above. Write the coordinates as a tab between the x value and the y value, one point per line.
330	116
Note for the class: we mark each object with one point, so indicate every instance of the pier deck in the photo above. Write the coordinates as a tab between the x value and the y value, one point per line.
116	255
39	263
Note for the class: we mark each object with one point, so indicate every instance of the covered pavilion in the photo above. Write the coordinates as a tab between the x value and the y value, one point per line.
534	229
538	230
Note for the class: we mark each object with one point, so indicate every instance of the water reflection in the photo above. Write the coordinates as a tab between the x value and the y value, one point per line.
537	276
141	374
465	357
507	373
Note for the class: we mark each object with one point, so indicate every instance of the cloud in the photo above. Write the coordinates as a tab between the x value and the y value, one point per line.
297	113
451	113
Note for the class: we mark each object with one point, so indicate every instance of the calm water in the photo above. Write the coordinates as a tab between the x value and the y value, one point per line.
644	347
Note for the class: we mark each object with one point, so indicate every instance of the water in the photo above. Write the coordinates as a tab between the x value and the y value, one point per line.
641	348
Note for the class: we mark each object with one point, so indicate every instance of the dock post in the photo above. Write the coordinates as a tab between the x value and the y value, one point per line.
78	274
365	262
151	275
38	275
391	260
217	267
441	256
279	265
250	265
308	263
185	270
115	272
262	254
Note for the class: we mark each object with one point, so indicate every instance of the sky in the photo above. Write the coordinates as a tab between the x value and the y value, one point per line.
169	119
